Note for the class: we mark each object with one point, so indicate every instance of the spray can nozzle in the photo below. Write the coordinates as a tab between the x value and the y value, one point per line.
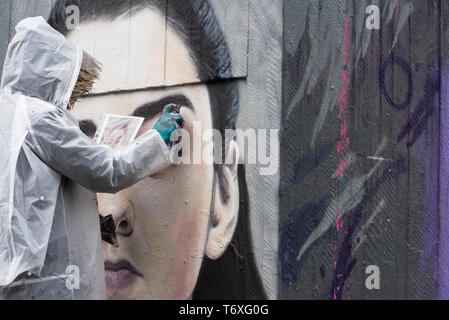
175	108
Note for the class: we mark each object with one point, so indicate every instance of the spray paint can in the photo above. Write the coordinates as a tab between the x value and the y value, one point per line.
174	109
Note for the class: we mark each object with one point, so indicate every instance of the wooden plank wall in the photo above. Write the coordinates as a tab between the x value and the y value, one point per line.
387	204
386	208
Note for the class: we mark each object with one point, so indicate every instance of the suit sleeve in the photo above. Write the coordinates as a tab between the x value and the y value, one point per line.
59	143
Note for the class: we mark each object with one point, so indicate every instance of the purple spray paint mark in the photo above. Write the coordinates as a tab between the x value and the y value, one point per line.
443	290
344	263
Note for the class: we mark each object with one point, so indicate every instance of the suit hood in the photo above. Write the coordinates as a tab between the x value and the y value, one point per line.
41	63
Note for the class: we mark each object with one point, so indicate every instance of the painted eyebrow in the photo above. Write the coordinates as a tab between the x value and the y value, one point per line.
148	111
152	109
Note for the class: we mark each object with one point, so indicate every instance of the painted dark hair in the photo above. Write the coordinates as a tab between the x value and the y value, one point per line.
234	275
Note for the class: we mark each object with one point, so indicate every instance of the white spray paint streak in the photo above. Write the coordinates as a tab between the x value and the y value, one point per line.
404	15
362	233
350	198
379	159
323	52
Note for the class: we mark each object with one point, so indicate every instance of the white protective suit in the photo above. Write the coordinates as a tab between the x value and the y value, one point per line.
49	225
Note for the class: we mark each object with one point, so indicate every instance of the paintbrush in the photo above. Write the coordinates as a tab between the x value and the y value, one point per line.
89	73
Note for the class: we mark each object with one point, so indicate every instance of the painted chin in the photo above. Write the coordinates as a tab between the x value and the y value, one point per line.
120	275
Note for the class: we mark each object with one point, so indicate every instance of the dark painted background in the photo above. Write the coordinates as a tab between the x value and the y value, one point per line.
391	210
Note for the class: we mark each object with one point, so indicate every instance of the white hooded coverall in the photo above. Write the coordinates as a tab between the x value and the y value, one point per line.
49	225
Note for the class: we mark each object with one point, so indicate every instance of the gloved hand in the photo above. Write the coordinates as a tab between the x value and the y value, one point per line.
169	121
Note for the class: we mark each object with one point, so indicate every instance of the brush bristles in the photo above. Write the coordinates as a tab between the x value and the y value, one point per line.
89	73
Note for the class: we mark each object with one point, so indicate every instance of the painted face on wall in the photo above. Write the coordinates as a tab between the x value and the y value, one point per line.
163	222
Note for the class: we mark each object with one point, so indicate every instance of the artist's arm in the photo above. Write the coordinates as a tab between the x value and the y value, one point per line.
58	141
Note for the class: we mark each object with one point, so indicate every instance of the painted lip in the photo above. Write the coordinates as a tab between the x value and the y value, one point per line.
120	275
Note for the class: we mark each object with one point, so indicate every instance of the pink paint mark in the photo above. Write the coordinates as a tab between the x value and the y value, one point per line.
343	141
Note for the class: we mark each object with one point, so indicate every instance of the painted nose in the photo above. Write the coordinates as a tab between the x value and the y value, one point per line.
122	211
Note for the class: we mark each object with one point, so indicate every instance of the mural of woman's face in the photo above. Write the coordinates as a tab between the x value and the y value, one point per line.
163	223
